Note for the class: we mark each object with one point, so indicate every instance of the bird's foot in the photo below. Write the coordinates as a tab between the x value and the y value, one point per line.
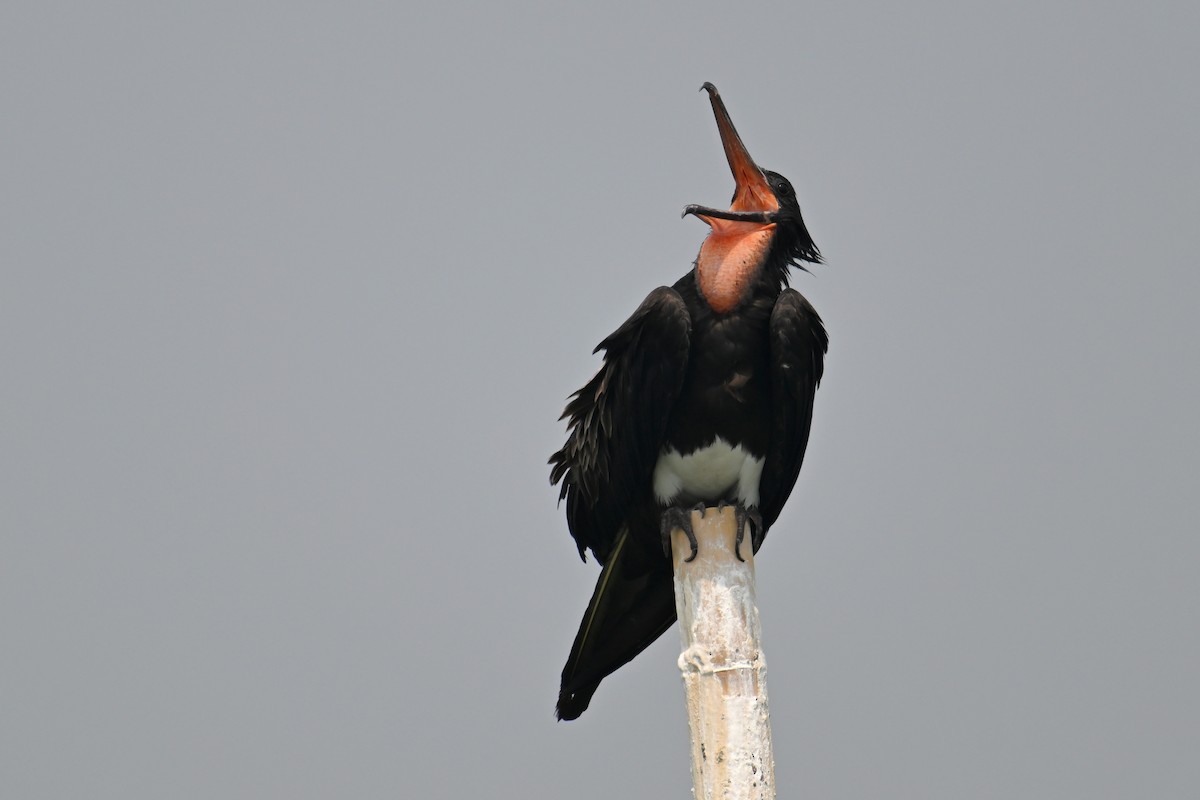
675	517
742	514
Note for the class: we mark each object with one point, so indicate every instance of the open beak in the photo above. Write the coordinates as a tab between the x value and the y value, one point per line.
753	200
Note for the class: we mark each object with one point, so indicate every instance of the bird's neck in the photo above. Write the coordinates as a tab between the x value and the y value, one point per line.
731	260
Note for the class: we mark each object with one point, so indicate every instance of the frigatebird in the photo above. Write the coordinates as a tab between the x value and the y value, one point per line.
705	397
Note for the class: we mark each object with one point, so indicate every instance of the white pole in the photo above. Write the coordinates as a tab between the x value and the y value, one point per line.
724	672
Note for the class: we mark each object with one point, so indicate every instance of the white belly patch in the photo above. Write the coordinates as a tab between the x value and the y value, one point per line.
716	472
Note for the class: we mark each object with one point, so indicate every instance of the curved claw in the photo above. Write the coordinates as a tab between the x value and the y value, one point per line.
744	514
681	518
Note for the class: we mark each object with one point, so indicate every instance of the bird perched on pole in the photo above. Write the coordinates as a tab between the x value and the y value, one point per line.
705	398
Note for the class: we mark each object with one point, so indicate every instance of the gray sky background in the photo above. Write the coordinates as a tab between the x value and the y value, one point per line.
293	294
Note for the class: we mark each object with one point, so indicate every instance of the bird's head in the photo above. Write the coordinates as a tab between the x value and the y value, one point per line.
763	230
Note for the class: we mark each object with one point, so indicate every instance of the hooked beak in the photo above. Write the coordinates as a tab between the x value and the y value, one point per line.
753	199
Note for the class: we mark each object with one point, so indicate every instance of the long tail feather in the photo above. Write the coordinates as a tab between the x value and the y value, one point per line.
633	604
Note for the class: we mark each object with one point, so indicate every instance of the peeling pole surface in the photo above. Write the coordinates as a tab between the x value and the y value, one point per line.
724	672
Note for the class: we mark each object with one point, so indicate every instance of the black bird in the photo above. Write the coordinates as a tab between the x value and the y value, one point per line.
705	397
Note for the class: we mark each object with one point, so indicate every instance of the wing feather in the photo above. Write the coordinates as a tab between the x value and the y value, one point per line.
798	345
617	422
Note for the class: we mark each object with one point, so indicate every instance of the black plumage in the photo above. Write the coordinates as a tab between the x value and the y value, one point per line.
707	382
